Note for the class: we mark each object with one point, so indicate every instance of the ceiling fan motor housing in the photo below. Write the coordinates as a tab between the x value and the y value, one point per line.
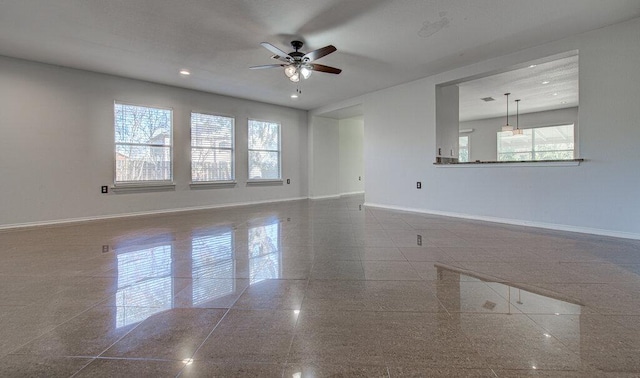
297	55
297	45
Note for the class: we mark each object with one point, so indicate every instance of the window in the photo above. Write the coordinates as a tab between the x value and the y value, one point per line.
142	144
212	157
264	150
541	143
463	151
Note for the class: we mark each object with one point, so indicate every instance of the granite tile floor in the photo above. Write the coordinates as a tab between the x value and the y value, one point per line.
312	289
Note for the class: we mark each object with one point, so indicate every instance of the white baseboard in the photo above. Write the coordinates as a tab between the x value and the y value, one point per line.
516	222
335	195
350	194
324	197
141	213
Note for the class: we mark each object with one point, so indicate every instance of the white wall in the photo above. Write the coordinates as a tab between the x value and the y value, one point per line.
599	196
447	121
57	145
351	164
336	160
324	146
483	140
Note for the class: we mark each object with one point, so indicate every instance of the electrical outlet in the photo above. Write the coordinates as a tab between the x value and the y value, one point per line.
419	185
359	178
104	189
419	240
105	248
288	181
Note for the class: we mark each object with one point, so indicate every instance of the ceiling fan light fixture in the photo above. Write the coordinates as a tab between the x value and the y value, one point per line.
297	65
290	70
305	72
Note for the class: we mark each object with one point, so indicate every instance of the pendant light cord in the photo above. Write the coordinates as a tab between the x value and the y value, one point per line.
518	114
507	94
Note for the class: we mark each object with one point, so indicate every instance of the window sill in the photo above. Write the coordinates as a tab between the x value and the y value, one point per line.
142	188
212	185
265	182
503	164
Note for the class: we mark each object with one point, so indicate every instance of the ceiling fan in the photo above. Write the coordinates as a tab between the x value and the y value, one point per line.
298	64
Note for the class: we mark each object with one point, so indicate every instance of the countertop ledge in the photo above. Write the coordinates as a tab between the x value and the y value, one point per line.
530	163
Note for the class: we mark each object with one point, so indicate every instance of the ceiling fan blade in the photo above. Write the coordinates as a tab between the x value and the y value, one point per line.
323	68
282	58
319	53
267	66
281	55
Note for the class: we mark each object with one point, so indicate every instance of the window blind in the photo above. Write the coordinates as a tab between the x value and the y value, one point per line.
143	139
264	150
212	144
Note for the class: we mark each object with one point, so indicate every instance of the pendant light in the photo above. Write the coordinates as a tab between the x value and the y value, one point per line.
507	126
518	130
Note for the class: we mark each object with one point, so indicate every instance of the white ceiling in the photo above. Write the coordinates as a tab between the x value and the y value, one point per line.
380	43
543	86
343	113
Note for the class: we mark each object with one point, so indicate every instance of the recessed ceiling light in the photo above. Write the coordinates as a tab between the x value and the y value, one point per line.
185	72
563	102
294	96
555	94
545	82
533	65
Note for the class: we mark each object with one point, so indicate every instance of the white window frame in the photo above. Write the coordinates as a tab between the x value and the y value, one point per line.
141	183
232	149
279	151
468	148
533	151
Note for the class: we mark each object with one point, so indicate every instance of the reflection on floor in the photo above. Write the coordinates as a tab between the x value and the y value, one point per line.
316	288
